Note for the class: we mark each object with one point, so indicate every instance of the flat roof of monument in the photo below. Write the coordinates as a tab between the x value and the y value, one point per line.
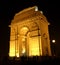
25	10
27	13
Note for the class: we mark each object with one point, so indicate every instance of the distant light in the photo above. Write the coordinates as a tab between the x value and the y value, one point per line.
36	8
53	41
48	23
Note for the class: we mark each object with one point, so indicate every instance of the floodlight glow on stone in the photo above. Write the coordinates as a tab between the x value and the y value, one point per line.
17	55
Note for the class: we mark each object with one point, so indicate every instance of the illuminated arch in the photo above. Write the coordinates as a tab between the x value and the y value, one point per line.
29	25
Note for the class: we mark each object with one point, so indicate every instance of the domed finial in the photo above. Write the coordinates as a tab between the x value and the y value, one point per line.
41	12
36	8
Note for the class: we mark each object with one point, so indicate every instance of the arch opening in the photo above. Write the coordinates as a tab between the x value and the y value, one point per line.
30	41
23	35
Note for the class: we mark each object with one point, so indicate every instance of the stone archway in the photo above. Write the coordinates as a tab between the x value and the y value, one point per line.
31	26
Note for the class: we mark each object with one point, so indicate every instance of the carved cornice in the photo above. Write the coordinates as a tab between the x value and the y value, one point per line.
28	14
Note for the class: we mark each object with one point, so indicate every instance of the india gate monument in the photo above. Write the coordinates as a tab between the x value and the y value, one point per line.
29	35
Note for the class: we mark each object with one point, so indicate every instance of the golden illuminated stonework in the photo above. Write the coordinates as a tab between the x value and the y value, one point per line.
29	34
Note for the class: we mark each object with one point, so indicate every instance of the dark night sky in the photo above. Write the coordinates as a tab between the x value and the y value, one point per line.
9	8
